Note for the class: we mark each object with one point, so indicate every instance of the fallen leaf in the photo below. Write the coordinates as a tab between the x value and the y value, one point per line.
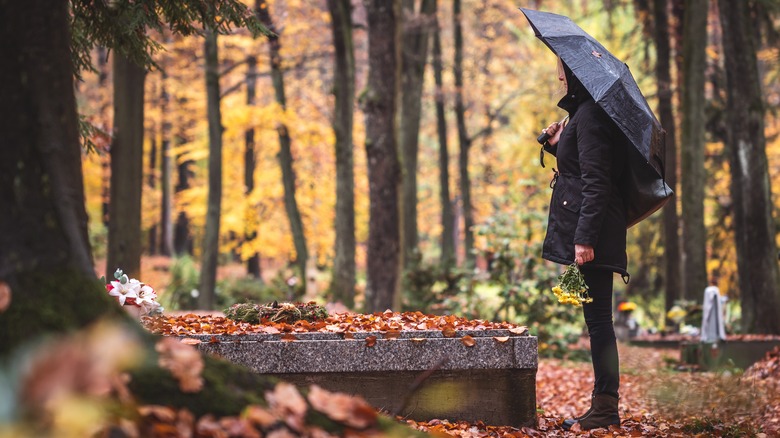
392	334
287	403
289	337
448	331
5	296
346	409
349	335
190	341
183	361
501	339
161	413
370	341
259	416
521	330
418	340
468	341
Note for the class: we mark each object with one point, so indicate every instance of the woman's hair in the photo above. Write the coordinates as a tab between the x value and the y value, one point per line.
573	84
561	71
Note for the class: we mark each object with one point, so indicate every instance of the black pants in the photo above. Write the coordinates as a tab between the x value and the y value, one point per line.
598	318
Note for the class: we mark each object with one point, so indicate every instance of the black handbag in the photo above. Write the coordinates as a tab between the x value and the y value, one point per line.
644	191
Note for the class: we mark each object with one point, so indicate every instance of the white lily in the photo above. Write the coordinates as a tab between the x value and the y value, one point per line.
124	291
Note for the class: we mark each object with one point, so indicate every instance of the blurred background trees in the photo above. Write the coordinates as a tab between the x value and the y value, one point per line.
301	168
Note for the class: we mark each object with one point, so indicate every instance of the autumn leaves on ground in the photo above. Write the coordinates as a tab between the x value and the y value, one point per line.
656	399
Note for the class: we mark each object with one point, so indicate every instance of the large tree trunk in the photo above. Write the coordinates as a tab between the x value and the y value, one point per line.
285	151
693	177
343	285
671	221
463	140
208	268
124	228
250	224
447	216
166	174
44	250
414	54
380	104
751	195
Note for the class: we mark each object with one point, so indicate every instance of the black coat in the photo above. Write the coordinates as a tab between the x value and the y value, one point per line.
587	205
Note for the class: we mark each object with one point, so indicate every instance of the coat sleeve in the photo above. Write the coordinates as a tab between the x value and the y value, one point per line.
594	147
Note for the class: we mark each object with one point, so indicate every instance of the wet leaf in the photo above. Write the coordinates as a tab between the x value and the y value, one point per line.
468	341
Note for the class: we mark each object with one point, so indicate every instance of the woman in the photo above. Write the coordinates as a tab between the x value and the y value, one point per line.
587	225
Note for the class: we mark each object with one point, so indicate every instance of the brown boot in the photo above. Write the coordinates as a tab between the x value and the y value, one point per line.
569	422
604	413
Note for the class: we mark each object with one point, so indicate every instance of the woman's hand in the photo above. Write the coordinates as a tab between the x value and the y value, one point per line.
554	130
583	254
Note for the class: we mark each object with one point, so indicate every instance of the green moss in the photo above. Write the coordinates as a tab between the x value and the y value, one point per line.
52	302
227	389
278	313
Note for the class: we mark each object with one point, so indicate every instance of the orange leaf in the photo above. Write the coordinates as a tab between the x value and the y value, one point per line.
501	339
392	334
521	330
448	331
5	296
349	335
190	341
468	341
370	341
418	340
289	337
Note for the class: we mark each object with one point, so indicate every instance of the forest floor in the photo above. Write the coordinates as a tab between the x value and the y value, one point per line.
656	400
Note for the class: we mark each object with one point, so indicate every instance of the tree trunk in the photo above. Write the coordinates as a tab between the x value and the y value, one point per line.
343	285
671	221
151	181
166	174
751	195
463	140
250	223
447	216
285	151
124	228
414	54
44	248
182	238
380	105
694	237
208	268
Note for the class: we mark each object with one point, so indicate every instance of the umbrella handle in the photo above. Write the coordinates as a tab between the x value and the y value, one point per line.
544	136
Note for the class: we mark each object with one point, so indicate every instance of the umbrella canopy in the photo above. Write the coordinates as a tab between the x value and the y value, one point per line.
610	83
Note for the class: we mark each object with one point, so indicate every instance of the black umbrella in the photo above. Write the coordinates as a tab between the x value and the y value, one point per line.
610	83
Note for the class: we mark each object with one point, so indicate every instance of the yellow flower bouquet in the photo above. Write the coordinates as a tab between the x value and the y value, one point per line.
571	288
